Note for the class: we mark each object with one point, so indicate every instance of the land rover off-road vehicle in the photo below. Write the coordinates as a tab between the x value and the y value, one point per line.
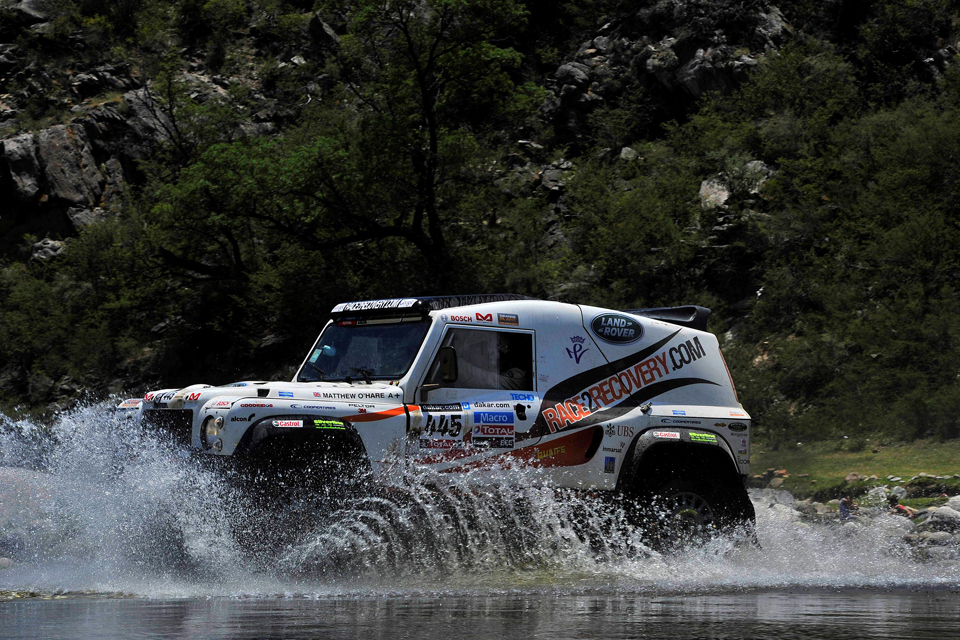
637	402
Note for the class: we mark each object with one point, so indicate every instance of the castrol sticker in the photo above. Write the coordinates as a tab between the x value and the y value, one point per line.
670	435
288	423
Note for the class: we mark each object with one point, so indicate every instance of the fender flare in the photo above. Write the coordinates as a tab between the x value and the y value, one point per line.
265	429
686	437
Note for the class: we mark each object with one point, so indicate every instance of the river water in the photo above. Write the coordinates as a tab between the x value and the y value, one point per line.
111	533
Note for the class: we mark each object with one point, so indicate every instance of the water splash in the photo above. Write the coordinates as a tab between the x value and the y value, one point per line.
93	505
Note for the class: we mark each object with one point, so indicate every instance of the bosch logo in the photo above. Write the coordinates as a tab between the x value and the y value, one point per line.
461	319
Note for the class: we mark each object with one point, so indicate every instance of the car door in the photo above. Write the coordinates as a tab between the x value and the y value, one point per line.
490	402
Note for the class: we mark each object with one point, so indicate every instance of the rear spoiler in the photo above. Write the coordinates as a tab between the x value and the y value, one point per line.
691	315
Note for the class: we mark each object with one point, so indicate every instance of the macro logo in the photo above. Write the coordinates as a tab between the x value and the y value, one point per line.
484	317
493	417
193	397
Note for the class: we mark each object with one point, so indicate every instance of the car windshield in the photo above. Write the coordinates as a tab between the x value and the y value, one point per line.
364	349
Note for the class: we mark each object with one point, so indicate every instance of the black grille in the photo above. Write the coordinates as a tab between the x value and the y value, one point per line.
176	423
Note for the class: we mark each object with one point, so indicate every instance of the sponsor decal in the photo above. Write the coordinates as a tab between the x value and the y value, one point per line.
737	426
329	395
624	431
255	404
242	419
148	397
616	329
669	435
488	405
288	423
719	425
577	351
318	407
610	430
484	317
426	443
373	305
329	424
438	408
614	450
286	394
492	430
193	397
167	396
679	421
550	453
444	317
129	404
702	437
223	403
450	425
527	397
623	385
461	319
679	412
609	464
511	319
735	414
493	417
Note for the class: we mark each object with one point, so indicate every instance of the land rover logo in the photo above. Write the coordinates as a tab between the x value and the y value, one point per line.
615	328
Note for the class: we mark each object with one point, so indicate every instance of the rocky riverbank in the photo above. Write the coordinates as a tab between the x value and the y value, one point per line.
933	533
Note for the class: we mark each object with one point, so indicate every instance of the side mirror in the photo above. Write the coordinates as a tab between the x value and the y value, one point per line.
446	372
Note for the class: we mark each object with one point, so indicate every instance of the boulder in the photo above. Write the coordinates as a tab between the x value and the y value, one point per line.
19	159
69	167
46	249
943	519
954	503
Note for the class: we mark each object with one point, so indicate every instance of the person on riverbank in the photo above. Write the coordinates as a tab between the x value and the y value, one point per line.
897	509
848	508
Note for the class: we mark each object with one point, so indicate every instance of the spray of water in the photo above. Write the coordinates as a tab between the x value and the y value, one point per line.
95	505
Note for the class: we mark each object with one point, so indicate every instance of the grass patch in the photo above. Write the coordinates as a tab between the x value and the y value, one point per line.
819	469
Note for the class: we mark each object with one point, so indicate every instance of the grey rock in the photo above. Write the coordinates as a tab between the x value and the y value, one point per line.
943	519
29	12
5	563
69	167
628	154
898	491
46	249
954	503
574	74
19	156
713	193
81	218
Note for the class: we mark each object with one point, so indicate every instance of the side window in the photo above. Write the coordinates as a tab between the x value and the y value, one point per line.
489	360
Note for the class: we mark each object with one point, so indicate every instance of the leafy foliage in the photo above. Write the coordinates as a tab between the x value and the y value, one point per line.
814	208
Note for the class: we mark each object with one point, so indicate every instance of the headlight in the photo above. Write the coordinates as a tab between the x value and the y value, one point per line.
210	433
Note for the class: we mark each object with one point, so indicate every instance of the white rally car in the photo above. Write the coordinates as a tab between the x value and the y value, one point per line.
638	402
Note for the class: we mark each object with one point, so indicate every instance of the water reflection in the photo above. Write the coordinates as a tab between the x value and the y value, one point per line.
790	614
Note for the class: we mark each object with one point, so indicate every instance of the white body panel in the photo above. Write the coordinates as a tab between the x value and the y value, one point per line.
597	379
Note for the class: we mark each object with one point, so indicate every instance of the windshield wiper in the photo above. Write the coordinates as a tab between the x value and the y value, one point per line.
366	373
323	374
